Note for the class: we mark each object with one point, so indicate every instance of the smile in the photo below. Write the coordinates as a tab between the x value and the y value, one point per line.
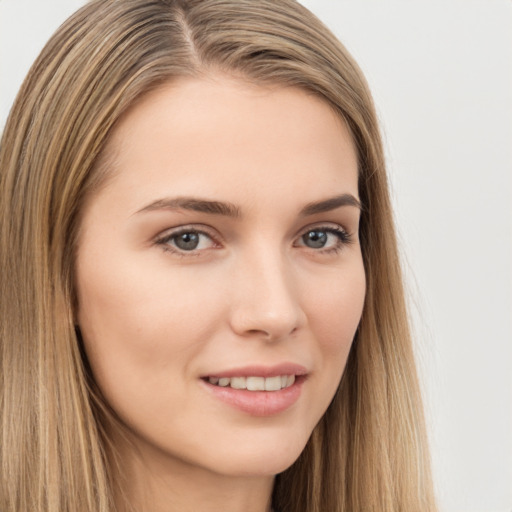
253	383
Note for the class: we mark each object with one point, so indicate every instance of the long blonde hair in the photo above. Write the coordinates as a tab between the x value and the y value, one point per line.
368	453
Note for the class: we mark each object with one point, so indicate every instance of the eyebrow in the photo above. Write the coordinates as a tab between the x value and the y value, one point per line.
194	204
231	210
332	203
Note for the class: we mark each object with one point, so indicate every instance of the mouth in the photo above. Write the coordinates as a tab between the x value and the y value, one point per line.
254	383
258	390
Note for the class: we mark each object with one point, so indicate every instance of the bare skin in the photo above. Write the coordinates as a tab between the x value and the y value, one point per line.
225	246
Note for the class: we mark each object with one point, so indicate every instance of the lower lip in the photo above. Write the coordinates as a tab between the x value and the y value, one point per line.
258	403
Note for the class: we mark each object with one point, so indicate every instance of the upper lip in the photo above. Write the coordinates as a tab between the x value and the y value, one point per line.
261	371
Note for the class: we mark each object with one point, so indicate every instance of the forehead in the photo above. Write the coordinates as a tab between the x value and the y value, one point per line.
209	133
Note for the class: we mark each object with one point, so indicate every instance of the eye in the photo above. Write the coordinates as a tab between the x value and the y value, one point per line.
186	240
325	238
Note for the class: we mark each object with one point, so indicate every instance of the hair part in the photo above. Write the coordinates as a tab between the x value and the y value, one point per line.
368	453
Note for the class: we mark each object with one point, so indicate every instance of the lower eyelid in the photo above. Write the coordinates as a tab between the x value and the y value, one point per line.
336	231
166	239
342	235
342	238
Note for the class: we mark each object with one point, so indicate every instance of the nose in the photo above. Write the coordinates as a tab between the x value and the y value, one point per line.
266	299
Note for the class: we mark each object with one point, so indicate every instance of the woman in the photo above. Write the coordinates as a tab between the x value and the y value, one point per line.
201	287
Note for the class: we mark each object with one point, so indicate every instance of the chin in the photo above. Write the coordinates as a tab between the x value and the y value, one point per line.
262	459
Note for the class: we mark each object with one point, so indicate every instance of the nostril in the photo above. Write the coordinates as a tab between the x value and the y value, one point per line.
266	304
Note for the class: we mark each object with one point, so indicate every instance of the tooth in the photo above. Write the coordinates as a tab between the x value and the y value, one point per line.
238	383
273	383
255	383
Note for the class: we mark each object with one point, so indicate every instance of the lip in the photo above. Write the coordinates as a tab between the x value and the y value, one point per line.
261	371
259	403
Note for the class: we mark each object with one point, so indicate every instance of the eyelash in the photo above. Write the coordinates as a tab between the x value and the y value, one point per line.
343	236
164	241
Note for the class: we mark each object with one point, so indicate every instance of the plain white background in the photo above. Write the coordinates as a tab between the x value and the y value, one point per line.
441	74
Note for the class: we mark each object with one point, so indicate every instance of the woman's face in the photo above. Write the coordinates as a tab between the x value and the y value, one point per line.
219	274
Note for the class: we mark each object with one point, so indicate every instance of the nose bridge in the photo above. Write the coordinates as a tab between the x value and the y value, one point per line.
267	303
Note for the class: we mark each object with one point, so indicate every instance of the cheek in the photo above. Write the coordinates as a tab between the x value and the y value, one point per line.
139	298
139	327
336	309
141	337
335	313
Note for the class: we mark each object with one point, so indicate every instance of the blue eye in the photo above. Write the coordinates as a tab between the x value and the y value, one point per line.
325	238
186	240
315	239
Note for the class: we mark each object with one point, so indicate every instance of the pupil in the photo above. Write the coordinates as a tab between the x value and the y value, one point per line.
315	239
187	241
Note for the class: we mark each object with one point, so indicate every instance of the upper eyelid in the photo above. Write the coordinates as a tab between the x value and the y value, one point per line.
218	239
201	228
335	226
164	242
197	228
346	236
165	238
